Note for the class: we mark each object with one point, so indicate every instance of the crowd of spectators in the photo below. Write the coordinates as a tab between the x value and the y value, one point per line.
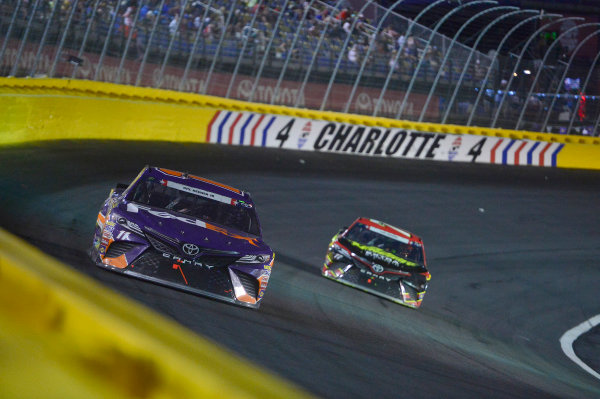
251	25
185	20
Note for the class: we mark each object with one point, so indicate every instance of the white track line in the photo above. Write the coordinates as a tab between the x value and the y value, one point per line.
566	342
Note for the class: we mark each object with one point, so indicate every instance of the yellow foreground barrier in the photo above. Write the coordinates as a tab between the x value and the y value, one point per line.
64	336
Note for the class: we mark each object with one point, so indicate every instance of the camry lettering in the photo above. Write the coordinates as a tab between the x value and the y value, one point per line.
183	261
377	276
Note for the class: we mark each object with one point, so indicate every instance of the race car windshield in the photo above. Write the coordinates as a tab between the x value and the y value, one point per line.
150	192
361	234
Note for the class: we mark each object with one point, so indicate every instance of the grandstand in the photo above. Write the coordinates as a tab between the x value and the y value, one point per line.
349	56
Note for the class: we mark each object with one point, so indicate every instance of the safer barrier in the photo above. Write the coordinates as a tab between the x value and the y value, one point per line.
50	109
64	336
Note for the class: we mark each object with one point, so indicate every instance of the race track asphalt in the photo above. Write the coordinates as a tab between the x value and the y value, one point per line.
513	253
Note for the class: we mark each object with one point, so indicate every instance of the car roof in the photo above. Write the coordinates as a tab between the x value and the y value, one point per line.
198	182
390	229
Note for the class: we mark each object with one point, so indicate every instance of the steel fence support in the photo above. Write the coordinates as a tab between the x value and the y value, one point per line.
38	54
479	38
287	59
221	39
342	55
369	50
533	36
431	36
149	44
312	61
85	36
489	71
537	75
596	125
10	28
241	55
107	41
447	55
399	51
128	42
170	47
584	87
268	50
15	67
63	38
562	79
188	65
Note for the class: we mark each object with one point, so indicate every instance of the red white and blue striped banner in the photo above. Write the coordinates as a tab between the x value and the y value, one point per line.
278	131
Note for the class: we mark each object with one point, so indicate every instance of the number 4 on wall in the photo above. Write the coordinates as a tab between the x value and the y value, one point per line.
475	151
284	133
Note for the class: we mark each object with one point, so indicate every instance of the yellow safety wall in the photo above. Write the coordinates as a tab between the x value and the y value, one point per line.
61	334
51	109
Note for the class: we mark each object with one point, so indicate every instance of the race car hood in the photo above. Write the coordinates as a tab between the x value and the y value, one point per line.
192	230
375	254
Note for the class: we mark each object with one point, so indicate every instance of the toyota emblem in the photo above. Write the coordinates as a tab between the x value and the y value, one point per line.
191	249
377	268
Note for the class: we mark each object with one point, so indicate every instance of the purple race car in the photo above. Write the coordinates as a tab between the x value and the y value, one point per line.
185	232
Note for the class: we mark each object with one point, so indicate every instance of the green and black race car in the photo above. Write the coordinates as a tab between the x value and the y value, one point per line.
380	259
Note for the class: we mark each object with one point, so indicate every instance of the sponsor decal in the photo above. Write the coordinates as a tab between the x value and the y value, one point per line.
389	235
379	257
241	203
197	191
377	141
264	279
123	235
306	129
455	147
107	234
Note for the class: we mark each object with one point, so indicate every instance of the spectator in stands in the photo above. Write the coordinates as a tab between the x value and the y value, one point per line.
281	51
354	55
128	17
343	15
174	25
